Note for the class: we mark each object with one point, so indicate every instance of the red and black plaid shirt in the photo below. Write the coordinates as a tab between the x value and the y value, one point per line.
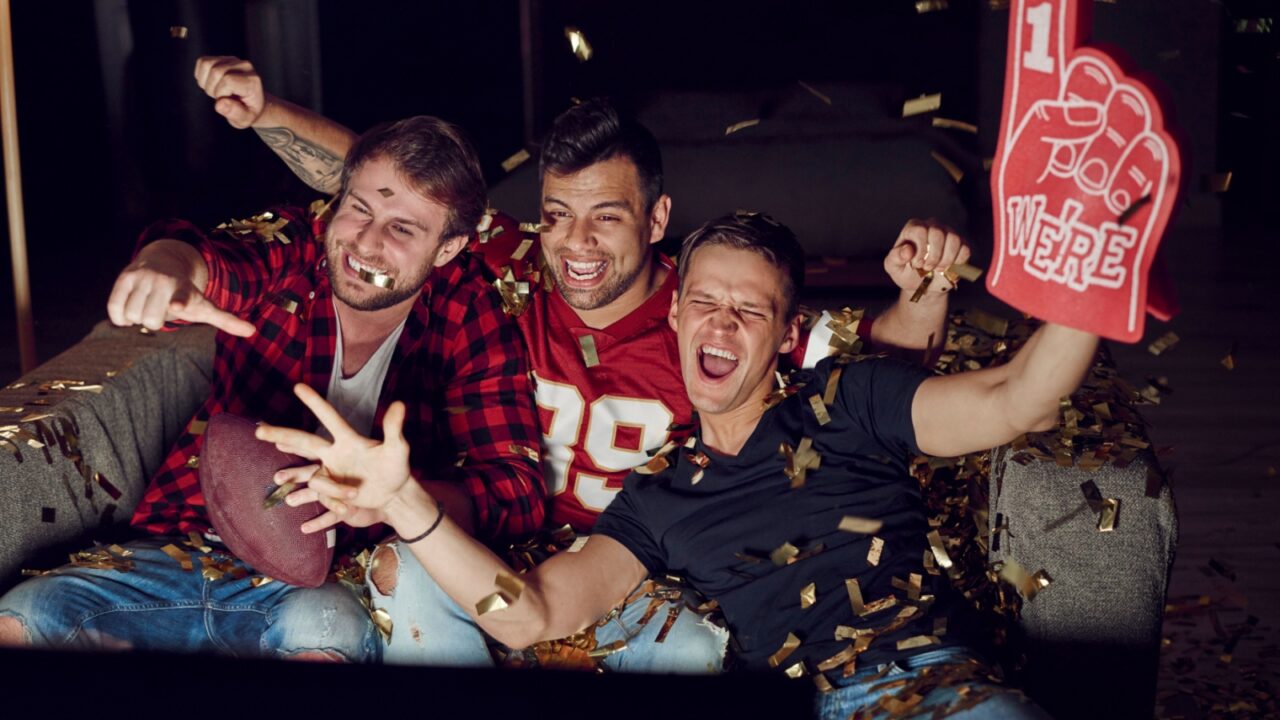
459	367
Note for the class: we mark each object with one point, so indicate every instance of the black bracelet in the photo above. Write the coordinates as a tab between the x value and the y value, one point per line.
434	525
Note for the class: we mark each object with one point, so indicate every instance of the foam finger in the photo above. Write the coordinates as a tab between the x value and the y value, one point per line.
1141	170
1127	117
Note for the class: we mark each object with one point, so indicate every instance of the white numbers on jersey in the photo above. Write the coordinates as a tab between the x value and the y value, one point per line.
605	417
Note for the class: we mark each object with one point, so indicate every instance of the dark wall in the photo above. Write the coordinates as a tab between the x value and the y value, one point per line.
115	133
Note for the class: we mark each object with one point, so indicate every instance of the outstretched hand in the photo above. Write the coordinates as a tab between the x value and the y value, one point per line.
151	292
356	477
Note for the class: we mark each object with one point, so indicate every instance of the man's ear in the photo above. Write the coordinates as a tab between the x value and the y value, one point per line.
673	312
658	219
449	249
791	336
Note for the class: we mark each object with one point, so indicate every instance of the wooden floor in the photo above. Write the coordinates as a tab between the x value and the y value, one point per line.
1223	431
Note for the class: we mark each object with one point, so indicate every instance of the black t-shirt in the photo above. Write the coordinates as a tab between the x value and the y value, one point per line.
719	532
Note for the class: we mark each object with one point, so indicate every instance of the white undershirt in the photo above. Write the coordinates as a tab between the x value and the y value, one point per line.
356	398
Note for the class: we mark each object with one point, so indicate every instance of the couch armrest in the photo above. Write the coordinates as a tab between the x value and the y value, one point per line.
100	447
1093	635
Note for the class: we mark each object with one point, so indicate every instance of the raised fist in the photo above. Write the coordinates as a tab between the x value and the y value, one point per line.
236	88
1084	181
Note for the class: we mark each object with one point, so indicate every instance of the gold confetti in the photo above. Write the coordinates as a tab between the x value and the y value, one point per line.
510	585
808	596
376	279
386	192
852	587
876	550
824	685
491	603
525	451
321	210
195	542
589	355
833	384
1218	182
1163	343
604	651
578	43
939	551
800	461
812	91
277	496
672	614
741	125
921	105
855	524
788	646
193	462
819	409
965	271
12	410
925	280
697	477
382	620
917	641
180	557
784	554
516	160
928	6
840	658
1025	583
522	249
197	427
1110	513
948	123
178	32
1229	362
286	304
1133	209
952	169
795	672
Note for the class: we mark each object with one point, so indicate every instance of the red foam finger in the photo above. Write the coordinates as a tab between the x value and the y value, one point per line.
1078	223
1127	118
1041	38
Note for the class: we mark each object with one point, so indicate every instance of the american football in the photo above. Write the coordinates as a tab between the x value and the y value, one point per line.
236	472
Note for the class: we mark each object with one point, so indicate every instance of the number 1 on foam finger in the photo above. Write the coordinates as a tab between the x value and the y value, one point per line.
1038	58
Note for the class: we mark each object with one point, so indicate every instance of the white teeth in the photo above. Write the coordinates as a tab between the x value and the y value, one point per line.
584	270
717	352
358	266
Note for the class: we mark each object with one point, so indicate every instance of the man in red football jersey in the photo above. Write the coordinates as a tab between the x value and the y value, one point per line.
608	382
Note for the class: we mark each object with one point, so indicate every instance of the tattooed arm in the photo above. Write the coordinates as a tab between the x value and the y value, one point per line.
312	146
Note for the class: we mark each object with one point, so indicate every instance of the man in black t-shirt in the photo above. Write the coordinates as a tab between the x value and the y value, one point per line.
792	507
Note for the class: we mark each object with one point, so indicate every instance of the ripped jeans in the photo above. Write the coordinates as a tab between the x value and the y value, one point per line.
156	605
429	628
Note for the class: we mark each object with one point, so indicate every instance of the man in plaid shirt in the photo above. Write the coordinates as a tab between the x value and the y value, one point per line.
380	306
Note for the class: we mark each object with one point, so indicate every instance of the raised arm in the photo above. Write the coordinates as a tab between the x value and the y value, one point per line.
972	411
922	246
311	145
559	597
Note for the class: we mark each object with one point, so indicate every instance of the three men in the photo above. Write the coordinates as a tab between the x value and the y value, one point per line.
381	305
818	566
603	356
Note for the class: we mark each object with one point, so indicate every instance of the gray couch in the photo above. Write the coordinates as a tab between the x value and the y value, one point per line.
1092	636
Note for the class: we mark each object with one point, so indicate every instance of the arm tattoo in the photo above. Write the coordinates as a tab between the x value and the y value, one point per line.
314	165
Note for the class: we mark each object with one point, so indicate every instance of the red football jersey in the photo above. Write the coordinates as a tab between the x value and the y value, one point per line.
600	422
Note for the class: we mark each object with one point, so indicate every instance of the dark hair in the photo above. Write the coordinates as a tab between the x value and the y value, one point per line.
595	131
435	158
763	236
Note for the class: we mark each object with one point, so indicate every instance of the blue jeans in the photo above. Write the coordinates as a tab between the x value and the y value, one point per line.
429	628
862	690
157	605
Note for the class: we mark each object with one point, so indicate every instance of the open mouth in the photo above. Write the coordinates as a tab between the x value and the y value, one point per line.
715	362
368	273
584	272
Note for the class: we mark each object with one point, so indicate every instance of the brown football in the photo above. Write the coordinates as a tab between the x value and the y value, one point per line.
236	471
